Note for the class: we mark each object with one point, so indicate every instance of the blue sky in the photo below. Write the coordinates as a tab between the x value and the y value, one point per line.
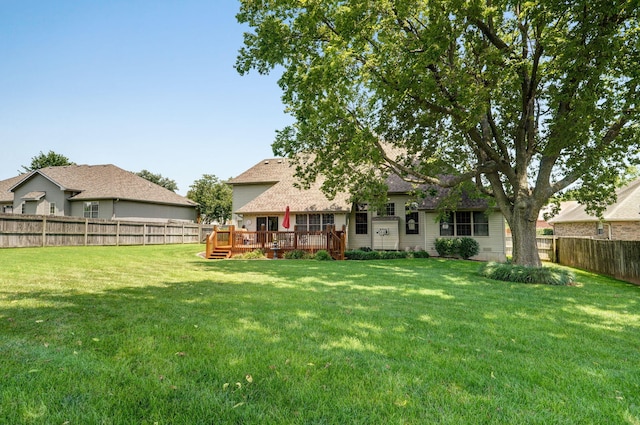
141	84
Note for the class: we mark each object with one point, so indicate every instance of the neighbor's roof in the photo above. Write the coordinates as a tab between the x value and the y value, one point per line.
5	194
283	193
105	182
627	208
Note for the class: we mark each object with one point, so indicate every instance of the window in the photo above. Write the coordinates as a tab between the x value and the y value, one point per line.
390	209
23	208
480	224
465	223
412	225
600	228
91	210
315	225
327	220
362	219
52	208
314	222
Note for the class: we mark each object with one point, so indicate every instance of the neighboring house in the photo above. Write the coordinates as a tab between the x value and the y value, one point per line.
620	221
93	191
262	193
6	196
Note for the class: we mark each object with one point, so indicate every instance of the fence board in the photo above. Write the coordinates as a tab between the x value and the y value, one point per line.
619	259
17	231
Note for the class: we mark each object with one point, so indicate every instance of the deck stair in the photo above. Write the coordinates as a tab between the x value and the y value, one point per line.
219	254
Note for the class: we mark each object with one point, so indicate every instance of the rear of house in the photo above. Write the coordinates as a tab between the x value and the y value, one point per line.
262	194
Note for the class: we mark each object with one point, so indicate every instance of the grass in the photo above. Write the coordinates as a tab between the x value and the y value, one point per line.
145	335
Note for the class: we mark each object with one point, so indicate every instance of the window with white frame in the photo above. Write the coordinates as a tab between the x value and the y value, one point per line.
314	222
52	208
390	209
465	223
91	209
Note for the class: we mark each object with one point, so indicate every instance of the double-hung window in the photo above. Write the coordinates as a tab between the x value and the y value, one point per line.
314	222
465	223
362	219
91	209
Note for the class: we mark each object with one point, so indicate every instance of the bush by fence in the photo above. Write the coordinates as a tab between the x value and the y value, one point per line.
19	231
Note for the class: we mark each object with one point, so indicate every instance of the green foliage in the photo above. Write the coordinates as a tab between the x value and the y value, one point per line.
502	95
469	247
447	247
420	254
514	273
158	179
323	255
464	247
256	254
297	254
361	254
214	199
50	159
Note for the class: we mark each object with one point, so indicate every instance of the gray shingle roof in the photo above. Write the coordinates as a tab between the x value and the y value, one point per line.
434	195
107	182
283	193
627	208
5	194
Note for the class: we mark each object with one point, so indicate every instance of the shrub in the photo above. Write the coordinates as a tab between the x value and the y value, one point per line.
252	255
520	274
457	247
421	254
297	254
360	254
447	247
468	247
323	255
393	255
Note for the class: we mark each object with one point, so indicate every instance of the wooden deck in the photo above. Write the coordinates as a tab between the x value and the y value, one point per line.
226	241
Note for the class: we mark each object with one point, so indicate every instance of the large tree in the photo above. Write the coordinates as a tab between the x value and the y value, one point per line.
158	179
522	98
213	197
49	159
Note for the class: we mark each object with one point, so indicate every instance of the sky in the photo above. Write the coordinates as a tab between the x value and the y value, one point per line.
141	84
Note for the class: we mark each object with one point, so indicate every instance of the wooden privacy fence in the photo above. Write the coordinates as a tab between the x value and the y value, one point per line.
619	259
546	247
19	231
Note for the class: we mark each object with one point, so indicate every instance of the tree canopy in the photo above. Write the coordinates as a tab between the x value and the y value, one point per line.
521	99
158	179
50	159
213	198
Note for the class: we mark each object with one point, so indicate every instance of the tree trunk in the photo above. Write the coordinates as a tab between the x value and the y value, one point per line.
523	233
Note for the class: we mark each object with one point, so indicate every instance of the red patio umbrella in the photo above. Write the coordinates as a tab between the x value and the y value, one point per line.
285	222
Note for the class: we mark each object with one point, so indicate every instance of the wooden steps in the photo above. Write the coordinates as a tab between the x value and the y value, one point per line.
220	254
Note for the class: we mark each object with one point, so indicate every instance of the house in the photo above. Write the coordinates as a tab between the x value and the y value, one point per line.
263	192
620	221
93	191
6	196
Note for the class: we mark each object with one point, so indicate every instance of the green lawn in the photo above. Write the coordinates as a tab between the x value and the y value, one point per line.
145	335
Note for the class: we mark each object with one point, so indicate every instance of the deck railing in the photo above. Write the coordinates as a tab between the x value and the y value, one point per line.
275	243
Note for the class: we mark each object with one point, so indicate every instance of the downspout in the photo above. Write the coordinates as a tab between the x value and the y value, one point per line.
115	201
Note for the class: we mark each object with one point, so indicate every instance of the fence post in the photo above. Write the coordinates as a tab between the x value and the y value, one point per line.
118	233
44	231
86	231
